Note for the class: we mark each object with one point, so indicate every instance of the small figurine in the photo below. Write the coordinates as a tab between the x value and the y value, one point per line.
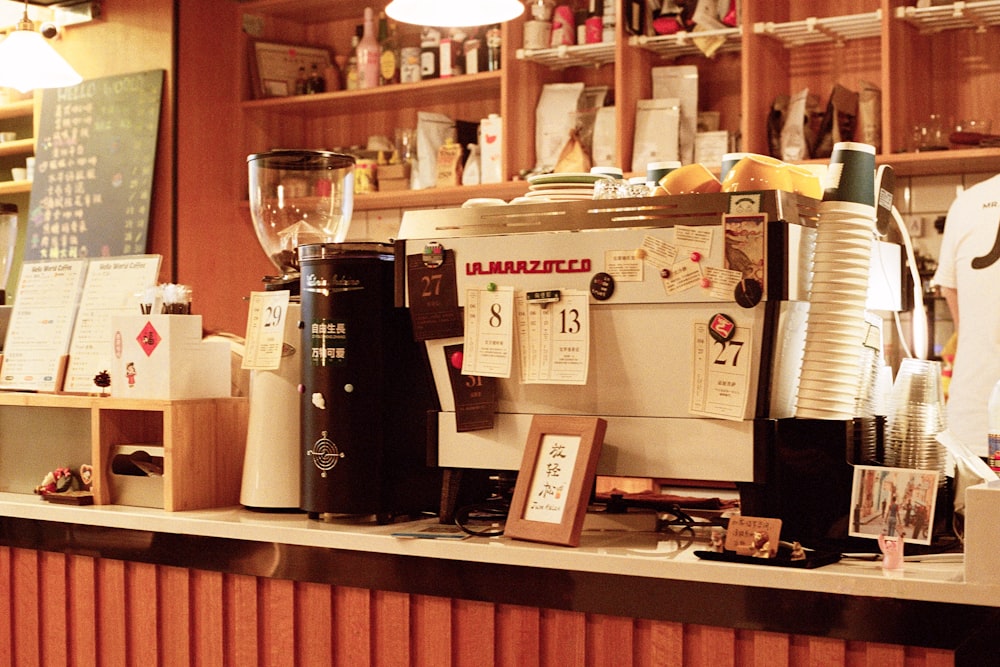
892	551
86	475
798	553
717	540
59	480
761	545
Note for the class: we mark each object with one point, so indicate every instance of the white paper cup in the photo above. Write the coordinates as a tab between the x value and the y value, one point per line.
851	176
19	173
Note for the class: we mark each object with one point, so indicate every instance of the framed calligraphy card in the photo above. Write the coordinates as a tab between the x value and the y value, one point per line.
555	480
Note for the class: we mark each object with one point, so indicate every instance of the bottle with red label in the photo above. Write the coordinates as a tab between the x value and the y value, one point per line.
594	24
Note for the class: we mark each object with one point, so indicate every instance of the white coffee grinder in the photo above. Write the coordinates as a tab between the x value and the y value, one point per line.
297	197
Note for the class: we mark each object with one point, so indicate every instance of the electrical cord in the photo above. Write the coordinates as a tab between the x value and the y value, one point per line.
492	514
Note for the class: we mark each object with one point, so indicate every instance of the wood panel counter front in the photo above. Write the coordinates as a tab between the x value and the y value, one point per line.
250	588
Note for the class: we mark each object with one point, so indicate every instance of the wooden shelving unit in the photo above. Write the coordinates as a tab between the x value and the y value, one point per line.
780	48
203	440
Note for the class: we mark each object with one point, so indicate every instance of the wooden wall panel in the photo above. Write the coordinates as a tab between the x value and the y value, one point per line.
142	602
207	618
27	606
659	644
314	625
52	593
431	620
352	624
81	611
276	612
473	628
518	636
390	628
82	581
240	620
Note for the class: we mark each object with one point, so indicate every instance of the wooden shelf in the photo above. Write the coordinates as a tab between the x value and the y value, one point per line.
20	109
958	161
203	441
438	197
311	11
17	147
15	187
341	102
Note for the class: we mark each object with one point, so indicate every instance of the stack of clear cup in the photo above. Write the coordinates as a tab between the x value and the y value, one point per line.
916	416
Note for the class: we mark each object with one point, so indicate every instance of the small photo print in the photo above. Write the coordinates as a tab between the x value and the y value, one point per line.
893	502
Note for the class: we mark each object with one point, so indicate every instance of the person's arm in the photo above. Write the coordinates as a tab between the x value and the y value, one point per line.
950	295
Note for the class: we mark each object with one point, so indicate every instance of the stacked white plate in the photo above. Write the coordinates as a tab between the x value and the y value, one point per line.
835	327
561	187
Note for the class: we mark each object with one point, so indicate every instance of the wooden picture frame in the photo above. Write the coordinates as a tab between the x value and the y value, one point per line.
275	66
554	484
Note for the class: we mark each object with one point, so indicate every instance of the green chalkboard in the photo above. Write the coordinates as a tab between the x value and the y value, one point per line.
94	163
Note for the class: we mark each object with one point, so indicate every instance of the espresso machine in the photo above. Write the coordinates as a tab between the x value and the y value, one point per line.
296	197
697	305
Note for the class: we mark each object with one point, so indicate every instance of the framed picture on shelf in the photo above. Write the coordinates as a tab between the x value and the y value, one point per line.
555	479
275	67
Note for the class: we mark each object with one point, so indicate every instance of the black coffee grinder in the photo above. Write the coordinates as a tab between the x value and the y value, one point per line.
367	389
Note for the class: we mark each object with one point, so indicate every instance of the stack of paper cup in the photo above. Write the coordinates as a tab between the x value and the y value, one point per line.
835	326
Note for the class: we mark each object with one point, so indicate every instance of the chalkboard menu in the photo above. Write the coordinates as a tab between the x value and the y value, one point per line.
94	160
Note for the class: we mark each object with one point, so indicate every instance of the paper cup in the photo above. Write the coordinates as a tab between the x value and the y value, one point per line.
19	174
851	176
657	170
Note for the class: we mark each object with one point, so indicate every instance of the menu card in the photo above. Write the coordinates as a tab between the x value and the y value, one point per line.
95	160
41	324
112	287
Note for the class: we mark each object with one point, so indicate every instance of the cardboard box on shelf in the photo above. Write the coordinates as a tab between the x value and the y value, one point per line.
164	357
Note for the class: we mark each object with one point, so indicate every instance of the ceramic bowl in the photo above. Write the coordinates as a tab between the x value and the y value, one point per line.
690	179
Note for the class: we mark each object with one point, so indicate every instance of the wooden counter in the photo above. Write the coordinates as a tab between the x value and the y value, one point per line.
282	589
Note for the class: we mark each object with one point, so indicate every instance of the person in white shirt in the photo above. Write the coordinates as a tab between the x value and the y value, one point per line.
968	276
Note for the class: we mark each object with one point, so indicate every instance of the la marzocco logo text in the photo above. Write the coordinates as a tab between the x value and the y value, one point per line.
528	266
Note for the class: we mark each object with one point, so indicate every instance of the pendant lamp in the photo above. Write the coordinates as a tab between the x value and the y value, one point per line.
27	61
454	13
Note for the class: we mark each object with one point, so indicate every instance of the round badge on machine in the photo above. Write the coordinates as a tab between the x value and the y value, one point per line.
721	327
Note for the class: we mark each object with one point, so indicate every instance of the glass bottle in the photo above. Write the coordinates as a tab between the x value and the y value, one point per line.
594	25
316	83
351	69
301	81
994	427
494	43
368	53
430	43
388	51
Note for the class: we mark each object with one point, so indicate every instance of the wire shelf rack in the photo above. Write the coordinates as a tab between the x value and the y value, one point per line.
976	15
813	30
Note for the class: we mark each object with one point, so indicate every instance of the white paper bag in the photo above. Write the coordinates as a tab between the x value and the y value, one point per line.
604	147
681	82
432	131
553	122
657	127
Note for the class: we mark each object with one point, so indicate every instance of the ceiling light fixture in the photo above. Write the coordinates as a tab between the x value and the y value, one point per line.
27	61
454	13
